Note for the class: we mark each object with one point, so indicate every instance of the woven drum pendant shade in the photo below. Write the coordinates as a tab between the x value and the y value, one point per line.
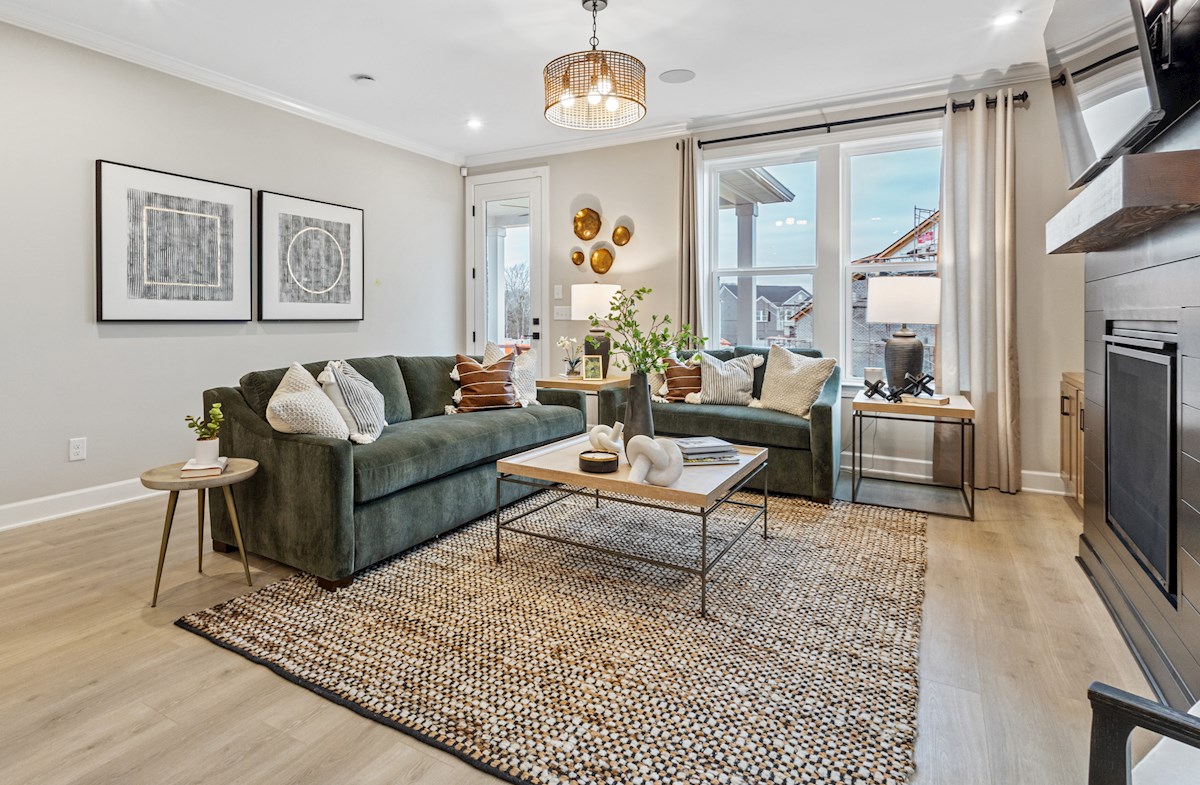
571	79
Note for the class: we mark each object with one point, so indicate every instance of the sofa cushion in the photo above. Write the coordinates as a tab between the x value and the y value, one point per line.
383	372
413	452
739	424
430	388
761	371
259	386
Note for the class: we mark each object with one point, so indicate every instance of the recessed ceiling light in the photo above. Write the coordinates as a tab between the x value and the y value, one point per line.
1006	18
677	76
474	124
363	79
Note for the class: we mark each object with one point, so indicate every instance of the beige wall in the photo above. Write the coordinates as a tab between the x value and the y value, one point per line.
126	387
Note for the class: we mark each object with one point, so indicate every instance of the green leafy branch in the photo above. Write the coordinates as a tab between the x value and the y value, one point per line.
642	351
207	429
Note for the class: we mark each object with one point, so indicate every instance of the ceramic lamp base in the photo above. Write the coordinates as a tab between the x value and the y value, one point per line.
903	354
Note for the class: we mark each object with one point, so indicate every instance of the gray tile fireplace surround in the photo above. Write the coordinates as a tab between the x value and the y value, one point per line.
1153	279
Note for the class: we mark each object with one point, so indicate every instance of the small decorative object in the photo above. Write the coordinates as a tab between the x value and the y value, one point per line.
587	300
577	257
643	351
598	461
310	260
876	388
604	438
593	367
654	461
919	385
571	360
872	375
171	248
907	299
208	446
622	235
602	260
587	224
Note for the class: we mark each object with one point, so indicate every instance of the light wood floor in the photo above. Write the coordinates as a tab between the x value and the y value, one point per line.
97	687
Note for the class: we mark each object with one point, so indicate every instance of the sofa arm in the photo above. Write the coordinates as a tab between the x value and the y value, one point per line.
299	508
551	396
611	405
825	436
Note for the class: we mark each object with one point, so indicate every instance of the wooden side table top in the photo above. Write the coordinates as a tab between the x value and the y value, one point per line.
959	407
586	385
166	478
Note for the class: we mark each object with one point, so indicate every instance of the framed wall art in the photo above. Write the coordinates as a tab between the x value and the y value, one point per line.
310	259
170	248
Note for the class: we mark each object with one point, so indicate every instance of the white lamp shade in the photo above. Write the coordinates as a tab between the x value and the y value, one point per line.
591	298
904	299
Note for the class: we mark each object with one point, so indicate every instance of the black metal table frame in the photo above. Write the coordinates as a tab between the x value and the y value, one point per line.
703	513
858	473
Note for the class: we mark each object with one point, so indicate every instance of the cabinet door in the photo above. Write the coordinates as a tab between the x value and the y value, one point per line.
1079	436
1067	434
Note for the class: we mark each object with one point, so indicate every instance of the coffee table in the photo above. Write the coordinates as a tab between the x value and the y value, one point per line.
699	492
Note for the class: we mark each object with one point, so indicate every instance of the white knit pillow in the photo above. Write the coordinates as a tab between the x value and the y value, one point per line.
524	375
357	400
793	382
728	381
298	405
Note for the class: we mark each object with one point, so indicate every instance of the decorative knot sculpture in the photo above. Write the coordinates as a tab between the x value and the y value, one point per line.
607	439
655	461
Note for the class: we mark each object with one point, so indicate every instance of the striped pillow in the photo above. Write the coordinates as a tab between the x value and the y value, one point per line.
682	378
357	400
485	387
728	381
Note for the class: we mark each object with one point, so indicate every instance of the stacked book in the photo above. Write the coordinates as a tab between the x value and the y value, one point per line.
706	451
194	469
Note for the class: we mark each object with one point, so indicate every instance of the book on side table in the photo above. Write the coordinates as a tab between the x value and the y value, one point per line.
193	468
706	451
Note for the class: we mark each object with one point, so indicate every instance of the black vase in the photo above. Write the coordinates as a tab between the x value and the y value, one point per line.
638	418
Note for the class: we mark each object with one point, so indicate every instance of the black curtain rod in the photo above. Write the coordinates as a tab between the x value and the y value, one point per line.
829	126
1061	79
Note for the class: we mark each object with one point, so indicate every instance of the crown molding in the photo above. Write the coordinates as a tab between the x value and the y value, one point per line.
90	39
647	134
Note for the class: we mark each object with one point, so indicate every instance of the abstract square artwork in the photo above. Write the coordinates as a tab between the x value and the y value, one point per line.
310	259
170	248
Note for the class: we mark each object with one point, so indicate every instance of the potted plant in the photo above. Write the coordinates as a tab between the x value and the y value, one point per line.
641	352
572	358
208	446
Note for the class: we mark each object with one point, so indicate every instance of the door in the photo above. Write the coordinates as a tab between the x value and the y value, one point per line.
507	257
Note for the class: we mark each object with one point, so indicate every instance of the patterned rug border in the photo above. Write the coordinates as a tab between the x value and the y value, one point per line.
422	737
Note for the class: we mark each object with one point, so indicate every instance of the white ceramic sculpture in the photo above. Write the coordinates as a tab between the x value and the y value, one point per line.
655	461
604	438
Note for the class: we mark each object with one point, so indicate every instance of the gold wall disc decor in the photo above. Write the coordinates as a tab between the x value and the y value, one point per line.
577	257
622	235
587	224
602	260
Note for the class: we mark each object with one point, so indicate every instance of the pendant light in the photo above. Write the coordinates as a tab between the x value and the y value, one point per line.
596	89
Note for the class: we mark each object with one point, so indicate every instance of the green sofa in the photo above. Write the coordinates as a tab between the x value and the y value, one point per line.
804	455
331	508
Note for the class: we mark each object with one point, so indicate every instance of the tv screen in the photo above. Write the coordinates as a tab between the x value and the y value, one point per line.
1123	70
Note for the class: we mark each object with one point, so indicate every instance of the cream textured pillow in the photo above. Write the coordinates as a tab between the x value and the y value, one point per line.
358	402
524	374
298	405
728	381
793	382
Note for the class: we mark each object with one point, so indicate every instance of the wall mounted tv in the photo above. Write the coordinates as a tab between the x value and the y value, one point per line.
1123	71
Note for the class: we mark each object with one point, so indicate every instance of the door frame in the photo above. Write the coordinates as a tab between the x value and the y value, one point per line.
539	255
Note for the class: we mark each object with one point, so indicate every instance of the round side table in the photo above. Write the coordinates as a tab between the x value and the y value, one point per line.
166	478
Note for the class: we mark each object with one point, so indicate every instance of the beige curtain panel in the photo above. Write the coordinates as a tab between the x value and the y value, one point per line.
977	341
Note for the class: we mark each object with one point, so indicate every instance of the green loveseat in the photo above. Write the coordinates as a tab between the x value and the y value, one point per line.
804	455
331	508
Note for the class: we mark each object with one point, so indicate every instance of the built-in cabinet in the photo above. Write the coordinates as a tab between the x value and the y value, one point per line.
1070	433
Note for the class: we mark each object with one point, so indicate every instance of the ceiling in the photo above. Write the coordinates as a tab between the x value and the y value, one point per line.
439	64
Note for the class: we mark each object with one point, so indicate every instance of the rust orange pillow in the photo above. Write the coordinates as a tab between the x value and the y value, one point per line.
682	378
484	387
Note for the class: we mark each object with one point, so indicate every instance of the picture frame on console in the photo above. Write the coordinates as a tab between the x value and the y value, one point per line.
310	260
171	248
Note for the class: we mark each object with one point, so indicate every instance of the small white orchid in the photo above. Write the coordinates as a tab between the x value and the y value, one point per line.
571	347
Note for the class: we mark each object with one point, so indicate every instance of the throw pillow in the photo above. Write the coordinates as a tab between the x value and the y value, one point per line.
358	402
524	372
793	382
485	387
682	379
726	381
299	406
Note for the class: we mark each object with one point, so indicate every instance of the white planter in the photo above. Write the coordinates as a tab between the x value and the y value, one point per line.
207	450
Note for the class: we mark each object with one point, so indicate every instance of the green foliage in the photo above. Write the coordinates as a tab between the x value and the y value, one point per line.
207	429
643	351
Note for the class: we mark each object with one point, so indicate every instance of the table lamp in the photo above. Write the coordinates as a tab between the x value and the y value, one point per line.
588	299
906	299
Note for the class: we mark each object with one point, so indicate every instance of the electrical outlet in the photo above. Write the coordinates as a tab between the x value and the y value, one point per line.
557	291
77	449
562	312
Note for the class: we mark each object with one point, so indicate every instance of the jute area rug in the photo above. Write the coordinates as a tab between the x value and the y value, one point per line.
560	665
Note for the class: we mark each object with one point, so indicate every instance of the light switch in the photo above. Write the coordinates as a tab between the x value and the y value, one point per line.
562	313
557	291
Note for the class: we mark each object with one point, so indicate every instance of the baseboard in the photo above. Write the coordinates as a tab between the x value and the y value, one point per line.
60	505
913	469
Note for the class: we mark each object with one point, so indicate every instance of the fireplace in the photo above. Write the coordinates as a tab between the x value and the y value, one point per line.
1140	453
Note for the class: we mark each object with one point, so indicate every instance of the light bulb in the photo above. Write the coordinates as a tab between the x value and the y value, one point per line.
567	99
604	85
611	104
593	98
